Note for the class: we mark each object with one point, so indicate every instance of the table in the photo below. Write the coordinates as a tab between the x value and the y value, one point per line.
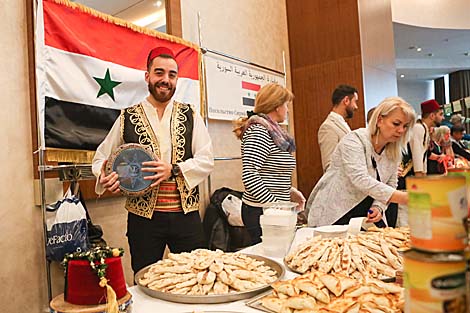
144	303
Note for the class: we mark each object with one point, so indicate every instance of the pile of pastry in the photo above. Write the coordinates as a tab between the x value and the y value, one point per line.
206	272
372	254
319	292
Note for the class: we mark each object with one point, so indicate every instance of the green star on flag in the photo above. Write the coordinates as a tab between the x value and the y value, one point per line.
106	85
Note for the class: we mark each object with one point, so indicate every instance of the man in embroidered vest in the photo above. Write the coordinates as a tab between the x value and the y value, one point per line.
168	213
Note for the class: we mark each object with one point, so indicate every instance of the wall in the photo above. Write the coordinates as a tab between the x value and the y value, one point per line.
378	60
251	30
22	263
415	92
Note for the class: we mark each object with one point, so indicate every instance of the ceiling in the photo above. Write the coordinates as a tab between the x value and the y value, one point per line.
443	51
131	10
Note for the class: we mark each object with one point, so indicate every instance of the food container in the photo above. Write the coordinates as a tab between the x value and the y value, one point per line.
465	172
275	247
437	213
276	239
332	231
278	229
434	282
281	206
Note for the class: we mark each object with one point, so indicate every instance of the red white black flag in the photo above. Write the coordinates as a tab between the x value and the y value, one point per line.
91	65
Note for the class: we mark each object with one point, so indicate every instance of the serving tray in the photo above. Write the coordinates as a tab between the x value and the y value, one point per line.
208	299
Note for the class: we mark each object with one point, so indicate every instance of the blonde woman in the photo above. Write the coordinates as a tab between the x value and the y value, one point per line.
441	154
266	150
362	179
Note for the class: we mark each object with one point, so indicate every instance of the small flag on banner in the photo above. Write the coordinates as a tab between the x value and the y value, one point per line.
89	67
249	93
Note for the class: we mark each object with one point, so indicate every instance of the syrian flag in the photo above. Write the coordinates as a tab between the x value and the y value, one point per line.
89	66
249	93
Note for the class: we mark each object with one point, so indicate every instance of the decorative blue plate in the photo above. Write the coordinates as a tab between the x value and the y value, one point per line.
126	161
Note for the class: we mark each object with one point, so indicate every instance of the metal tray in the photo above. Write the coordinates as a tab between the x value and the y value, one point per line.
386	279
207	299
255	303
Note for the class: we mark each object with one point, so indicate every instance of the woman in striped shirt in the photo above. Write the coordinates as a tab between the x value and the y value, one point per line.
267	159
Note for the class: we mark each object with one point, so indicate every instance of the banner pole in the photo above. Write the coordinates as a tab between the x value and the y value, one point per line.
206	106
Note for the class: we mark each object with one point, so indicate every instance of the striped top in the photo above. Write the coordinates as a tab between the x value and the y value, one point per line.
267	170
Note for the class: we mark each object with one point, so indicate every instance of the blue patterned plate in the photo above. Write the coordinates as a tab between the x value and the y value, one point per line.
126	161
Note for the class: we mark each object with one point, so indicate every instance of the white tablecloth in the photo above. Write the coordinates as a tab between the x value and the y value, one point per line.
146	304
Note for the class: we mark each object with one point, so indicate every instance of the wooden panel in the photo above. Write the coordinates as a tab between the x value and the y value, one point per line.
322	31
459	85
173	18
325	52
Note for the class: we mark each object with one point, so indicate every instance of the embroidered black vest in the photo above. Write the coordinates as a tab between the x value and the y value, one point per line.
135	128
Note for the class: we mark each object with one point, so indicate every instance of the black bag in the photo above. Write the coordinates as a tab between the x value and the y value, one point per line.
219	233
95	232
406	167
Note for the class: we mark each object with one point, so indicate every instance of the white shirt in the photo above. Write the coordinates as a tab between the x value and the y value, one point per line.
419	144
194	170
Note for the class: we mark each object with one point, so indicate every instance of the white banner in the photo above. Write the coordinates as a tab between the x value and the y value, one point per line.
232	86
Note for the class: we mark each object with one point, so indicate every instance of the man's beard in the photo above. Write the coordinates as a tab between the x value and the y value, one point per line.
158	97
349	113
437	124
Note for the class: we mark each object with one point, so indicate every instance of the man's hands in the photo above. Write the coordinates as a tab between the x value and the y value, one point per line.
161	169
374	215
110	182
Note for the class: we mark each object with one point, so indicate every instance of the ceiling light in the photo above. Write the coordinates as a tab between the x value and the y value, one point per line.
412	47
419	49
466	54
430	54
157	4
402	75
147	20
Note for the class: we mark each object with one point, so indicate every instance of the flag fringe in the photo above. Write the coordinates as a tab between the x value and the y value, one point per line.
145	31
68	155
121	22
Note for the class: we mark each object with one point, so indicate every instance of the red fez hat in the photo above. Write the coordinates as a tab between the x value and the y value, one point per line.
158	51
430	106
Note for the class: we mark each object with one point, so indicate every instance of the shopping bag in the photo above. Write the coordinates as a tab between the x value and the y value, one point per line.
67	229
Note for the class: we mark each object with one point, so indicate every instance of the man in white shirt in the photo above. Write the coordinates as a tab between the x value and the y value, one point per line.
334	127
431	116
167	214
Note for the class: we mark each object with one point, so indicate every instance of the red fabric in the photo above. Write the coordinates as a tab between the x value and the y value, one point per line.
78	32
83	284
430	106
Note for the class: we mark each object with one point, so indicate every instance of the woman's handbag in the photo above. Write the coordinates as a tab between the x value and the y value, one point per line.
67	229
